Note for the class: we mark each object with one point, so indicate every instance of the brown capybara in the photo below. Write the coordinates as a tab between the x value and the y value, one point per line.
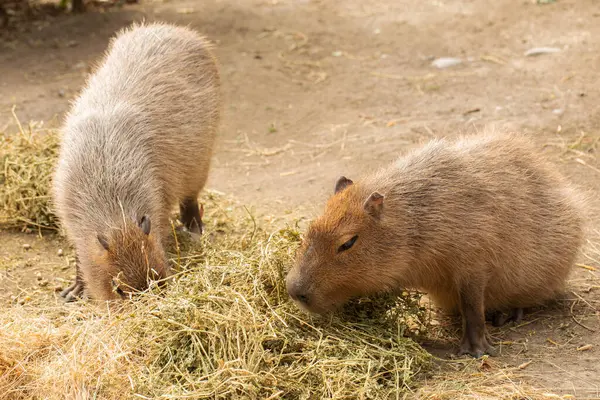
482	223
137	141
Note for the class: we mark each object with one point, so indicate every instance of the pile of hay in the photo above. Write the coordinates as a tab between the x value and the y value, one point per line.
26	164
224	328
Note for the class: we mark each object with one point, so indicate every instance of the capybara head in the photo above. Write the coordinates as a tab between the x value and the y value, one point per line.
128	259
342	252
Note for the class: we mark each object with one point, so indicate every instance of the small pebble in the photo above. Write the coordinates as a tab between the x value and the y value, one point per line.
26	246
446	62
337	53
43	283
60	252
536	51
61	92
558	111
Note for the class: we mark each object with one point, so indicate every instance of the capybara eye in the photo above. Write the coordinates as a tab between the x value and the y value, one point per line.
348	244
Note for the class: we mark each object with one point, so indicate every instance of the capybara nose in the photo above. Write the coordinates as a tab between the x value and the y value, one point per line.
297	291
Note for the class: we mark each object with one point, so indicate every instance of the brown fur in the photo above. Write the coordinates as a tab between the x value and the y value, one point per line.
482	223
136	142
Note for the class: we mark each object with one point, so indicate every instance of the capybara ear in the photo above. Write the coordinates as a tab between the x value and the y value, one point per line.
145	224
374	204
342	183
103	241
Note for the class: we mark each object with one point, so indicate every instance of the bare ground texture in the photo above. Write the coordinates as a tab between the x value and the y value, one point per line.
317	89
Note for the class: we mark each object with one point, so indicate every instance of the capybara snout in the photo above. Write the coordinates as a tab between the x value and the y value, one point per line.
298	291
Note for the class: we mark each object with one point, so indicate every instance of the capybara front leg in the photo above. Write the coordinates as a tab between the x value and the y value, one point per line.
77	288
191	215
474	341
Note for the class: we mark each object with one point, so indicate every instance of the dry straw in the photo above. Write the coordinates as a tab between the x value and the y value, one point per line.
26	163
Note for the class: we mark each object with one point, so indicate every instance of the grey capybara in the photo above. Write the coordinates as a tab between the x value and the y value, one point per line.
137	141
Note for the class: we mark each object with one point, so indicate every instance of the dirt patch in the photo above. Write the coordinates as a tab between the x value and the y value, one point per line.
317	89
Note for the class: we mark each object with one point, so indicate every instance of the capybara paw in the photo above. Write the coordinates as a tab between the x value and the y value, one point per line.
194	227
477	350
194	236
73	292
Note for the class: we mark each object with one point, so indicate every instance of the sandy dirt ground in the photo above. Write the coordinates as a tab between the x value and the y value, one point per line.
316	89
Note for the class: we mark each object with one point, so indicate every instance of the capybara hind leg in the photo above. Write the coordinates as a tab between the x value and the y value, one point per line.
494	317
499	319
76	289
191	215
516	315
474	341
